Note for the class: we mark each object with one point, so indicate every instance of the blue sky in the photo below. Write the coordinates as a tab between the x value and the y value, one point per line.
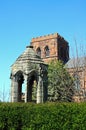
21	20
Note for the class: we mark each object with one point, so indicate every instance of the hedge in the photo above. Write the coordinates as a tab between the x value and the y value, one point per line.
48	116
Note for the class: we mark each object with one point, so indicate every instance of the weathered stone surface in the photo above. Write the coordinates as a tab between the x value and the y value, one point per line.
26	67
58	47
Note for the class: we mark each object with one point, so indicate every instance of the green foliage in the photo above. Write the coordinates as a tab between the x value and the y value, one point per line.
60	83
49	116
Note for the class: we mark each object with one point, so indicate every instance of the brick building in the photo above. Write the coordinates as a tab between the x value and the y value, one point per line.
54	46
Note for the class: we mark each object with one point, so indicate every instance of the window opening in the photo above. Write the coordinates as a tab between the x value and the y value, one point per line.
38	51
47	51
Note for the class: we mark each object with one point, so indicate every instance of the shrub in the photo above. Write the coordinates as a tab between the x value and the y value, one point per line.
48	116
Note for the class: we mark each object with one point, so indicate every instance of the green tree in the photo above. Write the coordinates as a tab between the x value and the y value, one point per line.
60	83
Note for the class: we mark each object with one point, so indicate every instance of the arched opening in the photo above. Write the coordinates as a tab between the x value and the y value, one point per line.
38	51
20	79
31	68
32	88
77	82
23	92
47	51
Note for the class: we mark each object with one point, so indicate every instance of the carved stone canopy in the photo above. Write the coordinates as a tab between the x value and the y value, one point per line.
27	61
29	67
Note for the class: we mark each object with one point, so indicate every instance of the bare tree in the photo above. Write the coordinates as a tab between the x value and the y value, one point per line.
78	70
4	94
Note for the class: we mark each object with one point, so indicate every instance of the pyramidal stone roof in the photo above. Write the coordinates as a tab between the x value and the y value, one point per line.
26	61
29	55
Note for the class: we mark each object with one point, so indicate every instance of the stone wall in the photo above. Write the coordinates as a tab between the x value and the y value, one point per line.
55	43
80	94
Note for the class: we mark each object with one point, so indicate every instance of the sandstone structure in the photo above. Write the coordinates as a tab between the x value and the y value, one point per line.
77	68
51	47
28	68
32	66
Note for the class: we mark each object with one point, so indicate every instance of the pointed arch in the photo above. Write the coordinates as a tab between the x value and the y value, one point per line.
47	51
20	79
38	50
32	86
19	76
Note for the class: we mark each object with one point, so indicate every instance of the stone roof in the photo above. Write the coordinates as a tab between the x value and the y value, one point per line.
29	55
76	62
26	61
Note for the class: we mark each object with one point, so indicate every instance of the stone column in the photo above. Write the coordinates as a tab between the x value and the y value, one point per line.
40	88
14	90
26	91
